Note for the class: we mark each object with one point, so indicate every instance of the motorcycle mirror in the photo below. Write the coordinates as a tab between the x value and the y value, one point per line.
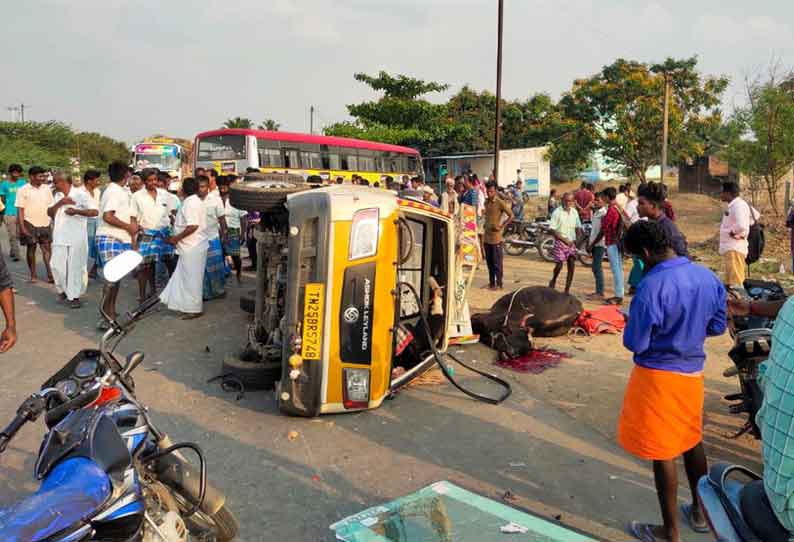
120	266
133	360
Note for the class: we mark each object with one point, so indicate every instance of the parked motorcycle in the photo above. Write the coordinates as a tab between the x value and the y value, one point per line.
733	497
107	473
522	236
736	506
752	340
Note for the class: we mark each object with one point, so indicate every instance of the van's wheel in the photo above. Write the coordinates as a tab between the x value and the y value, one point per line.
265	193
253	375
248	301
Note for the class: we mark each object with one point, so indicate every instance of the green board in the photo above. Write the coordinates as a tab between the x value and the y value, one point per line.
444	512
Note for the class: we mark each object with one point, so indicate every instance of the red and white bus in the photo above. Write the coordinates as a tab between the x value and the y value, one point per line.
235	150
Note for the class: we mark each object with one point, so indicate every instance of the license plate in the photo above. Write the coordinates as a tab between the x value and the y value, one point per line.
313	321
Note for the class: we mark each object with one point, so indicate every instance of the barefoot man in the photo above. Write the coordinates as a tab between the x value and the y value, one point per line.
677	306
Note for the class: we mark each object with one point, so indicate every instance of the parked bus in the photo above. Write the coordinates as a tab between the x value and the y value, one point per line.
161	153
235	150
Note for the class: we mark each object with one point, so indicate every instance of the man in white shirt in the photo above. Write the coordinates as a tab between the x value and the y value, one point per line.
734	229
150	211
215	272
70	212
115	229
91	185
234	228
32	203
183	292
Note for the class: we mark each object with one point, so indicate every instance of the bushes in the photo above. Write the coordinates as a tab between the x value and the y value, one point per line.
53	145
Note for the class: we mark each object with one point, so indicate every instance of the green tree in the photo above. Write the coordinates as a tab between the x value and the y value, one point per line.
238	122
400	116
761	133
620	110
269	124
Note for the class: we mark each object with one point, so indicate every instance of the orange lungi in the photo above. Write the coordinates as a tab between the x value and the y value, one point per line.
662	414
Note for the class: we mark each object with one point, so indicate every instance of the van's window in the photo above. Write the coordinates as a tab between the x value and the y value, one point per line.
269	153
221	147
411	272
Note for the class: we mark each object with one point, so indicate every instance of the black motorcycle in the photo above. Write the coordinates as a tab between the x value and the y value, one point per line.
752	341
520	236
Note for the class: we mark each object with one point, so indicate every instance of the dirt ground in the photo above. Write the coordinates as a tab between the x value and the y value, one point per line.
589	386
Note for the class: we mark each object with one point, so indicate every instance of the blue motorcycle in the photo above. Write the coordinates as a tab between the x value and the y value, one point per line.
107	473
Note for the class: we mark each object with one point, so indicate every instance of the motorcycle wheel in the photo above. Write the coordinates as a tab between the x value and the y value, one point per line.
584	257
221	526
510	248
546	248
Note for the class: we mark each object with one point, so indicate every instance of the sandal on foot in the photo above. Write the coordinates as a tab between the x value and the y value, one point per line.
702	527
644	532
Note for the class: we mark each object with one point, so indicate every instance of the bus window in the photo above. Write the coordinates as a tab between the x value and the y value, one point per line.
380	162
221	147
413	164
291	158
334	157
352	160
366	160
310	156
402	163
269	153
392	164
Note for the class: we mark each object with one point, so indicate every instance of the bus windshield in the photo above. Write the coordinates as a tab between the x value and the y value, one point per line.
221	147
163	162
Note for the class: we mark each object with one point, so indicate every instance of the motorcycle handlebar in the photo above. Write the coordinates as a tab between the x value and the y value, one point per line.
13	428
57	414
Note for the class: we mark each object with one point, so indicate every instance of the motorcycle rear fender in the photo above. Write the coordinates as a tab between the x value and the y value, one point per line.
174	471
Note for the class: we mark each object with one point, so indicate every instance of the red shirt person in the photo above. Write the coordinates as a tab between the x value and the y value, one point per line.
584	198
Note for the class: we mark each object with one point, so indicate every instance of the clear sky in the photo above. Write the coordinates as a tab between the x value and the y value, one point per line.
134	68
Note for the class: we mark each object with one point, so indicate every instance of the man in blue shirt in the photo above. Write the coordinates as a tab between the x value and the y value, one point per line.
677	306
8	191
650	204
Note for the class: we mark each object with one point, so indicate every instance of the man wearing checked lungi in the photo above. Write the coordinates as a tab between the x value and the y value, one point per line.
115	229
677	306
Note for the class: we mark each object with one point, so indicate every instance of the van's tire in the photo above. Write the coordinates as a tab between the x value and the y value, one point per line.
248	302
254	375
265	193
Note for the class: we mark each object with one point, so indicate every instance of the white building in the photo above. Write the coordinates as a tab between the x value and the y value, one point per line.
531	165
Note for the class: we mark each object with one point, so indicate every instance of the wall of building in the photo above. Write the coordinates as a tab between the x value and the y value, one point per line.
534	166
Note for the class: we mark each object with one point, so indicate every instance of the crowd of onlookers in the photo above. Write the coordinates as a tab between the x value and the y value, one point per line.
187	232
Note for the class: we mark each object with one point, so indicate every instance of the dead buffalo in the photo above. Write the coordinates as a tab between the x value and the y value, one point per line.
517	317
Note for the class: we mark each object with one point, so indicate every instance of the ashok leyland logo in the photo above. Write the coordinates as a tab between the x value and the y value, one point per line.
350	315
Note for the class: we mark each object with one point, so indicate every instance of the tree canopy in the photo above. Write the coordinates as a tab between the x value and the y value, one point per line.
620	112
54	145
760	135
238	122
269	124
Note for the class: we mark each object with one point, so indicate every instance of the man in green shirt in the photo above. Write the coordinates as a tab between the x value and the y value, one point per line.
8	191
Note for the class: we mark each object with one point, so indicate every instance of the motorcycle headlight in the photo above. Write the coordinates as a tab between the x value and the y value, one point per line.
364	234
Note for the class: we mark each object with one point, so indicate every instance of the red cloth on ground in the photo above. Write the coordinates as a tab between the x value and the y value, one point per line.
535	362
607	319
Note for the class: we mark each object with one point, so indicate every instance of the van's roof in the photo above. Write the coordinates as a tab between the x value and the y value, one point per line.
347	199
293	137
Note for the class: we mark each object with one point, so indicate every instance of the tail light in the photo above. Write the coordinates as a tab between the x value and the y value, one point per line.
356	388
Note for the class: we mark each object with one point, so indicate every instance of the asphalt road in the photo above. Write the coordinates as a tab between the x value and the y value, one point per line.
554	464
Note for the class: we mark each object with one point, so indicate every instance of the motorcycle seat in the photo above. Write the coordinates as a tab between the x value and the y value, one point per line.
71	493
758	513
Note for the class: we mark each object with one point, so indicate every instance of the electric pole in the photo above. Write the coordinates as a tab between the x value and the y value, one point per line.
665	123
20	110
311	120
498	130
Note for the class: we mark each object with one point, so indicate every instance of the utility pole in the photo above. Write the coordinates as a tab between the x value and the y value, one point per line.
20	110
665	123
498	130
311	120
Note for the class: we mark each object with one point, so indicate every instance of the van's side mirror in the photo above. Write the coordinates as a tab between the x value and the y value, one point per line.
133	360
